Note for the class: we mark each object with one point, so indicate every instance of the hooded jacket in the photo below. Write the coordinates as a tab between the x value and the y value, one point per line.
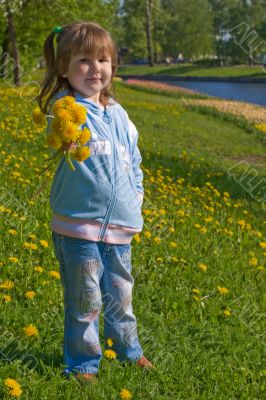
101	200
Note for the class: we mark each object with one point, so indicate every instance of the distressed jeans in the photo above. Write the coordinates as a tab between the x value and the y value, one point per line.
95	274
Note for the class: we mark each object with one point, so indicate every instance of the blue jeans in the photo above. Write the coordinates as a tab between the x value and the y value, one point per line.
95	274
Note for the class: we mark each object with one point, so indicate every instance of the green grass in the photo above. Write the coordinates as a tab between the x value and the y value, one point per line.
193	70
199	353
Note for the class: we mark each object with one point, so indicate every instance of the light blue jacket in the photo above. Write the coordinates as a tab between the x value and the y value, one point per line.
107	187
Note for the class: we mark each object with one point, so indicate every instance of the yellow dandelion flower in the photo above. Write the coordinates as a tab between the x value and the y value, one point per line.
203	230
54	274
196	298
54	141
157	240
38	117
79	114
13	259
38	268
222	290
173	245
44	243
110	354
160	259
70	132
32	236
109	342
195	290
30	294
30	330
261	127
7	285
147	234
241	223
253	261
137	237
80	153
227	313
125	394
175	259
64	102
12	232
31	246
64	114
84	136
262	245
203	267
14	387
6	298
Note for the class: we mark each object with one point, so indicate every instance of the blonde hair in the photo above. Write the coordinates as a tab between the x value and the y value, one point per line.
78	37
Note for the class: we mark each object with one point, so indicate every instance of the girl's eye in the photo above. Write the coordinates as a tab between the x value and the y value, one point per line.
84	60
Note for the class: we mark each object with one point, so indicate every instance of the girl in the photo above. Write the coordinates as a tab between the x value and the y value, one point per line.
97	208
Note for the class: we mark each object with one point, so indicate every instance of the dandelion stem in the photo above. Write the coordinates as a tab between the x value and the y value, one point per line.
67	154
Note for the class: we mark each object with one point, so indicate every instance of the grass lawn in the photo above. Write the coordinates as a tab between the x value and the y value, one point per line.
193	70
198	265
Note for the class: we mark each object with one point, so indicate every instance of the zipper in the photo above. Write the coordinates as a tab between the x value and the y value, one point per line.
108	120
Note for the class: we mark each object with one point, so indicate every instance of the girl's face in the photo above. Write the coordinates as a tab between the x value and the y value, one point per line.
89	75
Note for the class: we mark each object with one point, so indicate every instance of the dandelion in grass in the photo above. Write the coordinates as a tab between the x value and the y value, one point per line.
13	386
147	234
6	298
30	294
110	354
227	313
38	117
54	274
43	243
30	330
253	261
109	342
13	259
7	285
262	245
125	394
12	232
157	240
137	238
173	245
31	246
202	267
222	290
38	268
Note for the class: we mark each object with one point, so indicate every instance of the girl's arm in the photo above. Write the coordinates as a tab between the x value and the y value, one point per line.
136	159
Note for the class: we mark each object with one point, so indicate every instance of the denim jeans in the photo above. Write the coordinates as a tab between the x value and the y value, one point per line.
95	274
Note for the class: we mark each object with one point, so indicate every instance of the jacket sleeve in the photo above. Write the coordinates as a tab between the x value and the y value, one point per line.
136	159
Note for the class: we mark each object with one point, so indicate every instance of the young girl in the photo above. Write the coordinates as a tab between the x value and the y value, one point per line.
96	208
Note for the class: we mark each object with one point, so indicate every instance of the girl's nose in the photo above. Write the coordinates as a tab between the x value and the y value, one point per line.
94	66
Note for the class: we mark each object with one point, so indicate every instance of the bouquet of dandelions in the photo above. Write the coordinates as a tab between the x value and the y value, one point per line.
66	134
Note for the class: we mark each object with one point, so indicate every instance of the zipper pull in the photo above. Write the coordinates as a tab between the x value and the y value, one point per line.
106	118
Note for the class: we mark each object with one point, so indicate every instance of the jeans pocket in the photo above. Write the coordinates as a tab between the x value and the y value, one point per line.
91	300
125	254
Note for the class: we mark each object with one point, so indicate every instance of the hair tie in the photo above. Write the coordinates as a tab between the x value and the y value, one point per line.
57	29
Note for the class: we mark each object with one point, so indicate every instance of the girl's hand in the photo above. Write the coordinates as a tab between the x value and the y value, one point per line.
67	146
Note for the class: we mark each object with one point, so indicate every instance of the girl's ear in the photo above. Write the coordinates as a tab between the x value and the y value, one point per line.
62	70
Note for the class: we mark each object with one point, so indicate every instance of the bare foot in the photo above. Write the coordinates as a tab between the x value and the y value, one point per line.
143	362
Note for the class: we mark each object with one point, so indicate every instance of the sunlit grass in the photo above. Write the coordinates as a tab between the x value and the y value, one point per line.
199	264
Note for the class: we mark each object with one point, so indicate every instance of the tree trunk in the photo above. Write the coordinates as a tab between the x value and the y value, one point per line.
13	41
148	32
4	54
